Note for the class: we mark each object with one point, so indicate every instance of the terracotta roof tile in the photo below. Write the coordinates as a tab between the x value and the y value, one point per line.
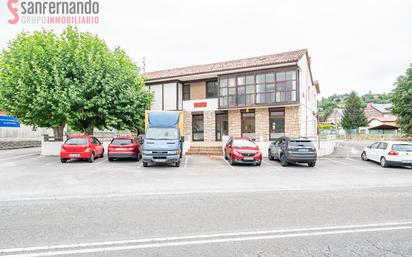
280	58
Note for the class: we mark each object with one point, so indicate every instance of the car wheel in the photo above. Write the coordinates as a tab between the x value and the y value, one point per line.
364	156
270	156
384	163
283	160
258	163
110	159
177	164
102	155
144	164
231	160
63	160
91	159
311	164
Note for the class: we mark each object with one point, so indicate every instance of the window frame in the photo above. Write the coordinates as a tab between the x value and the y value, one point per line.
215	91
185	85
242	131
275	117
268	94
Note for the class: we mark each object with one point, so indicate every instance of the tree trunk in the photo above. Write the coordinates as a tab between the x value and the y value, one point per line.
58	132
88	131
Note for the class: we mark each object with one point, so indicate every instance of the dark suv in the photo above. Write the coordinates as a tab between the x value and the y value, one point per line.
293	150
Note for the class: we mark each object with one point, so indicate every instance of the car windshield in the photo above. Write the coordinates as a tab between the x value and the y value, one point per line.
300	143
243	143
121	142
162	134
76	141
402	147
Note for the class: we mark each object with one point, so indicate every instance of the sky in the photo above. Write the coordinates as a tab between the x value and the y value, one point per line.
354	45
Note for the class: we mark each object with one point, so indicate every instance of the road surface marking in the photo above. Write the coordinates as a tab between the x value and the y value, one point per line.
228	164
200	192
96	163
140	164
186	160
95	247
335	161
270	165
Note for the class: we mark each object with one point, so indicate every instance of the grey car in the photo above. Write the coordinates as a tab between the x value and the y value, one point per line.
293	150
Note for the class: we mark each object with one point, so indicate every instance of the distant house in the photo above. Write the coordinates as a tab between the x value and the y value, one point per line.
335	117
380	119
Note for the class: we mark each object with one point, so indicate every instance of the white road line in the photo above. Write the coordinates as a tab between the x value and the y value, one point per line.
140	164
200	192
97	163
228	164
335	161
96	247
186	160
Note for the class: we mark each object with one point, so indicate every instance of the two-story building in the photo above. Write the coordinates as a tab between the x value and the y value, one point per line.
261	97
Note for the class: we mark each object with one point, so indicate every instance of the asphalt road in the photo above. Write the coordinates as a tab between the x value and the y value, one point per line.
342	207
366	222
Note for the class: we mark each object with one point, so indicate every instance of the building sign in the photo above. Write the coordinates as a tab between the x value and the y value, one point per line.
54	12
9	122
200	105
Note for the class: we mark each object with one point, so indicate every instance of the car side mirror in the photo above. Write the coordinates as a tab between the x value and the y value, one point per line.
368	146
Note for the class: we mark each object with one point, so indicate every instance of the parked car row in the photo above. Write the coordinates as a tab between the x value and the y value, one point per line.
238	150
89	147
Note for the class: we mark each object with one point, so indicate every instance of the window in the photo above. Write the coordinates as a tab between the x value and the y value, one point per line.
223	99
375	145
186	92
286	86
212	89
383	146
248	124
276	123
198	127
262	88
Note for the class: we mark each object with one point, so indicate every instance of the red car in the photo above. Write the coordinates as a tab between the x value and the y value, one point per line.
123	147
81	147
242	150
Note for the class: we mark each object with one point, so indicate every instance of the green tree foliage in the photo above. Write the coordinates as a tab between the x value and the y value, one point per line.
48	80
327	104
402	101
353	113
31	87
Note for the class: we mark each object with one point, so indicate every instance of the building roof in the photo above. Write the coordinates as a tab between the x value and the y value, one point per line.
383	108
389	118
273	59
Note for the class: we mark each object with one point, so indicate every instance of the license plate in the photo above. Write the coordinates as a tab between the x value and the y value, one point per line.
121	149
74	155
248	158
160	160
407	161
303	150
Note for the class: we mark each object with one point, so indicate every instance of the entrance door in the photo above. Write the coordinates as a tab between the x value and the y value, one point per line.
197	127
222	126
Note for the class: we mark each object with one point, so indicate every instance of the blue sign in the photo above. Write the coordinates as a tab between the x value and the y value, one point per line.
9	122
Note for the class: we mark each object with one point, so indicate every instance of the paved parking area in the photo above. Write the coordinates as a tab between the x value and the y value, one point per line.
24	174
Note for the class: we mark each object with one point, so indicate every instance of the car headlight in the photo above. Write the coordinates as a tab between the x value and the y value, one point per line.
174	152
146	152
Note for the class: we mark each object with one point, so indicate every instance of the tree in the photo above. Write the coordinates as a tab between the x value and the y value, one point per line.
353	113
31	86
74	78
402	101
105	90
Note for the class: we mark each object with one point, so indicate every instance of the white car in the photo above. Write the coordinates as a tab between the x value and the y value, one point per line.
389	153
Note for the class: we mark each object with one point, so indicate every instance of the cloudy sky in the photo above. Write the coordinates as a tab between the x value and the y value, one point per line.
355	45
